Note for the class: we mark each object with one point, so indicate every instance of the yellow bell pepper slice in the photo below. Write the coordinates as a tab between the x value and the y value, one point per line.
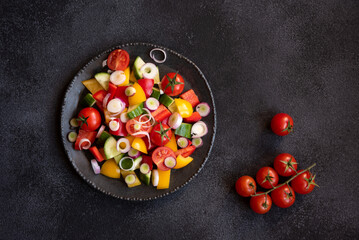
92	85
139	145
111	169
182	161
163	179
184	108
125	173
138	97
127	74
132	77
172	143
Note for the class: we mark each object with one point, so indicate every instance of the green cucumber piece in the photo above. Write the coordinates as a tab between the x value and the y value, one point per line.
102	138
137	67
88	100
119	157
156	93
184	130
135	110
145	178
172	107
110	149
137	162
166	100
103	78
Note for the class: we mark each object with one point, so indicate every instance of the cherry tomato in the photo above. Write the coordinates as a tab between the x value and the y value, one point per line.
265	176
261	204
285	165
160	154
118	60
246	186
89	119
134	126
283	196
282	124
161	134
172	84
304	183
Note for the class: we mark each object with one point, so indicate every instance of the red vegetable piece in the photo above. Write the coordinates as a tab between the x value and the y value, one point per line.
161	113
96	153
121	130
120	94
99	96
90	135
165	121
191	97
195	117
112	88
185	152
147	86
148	160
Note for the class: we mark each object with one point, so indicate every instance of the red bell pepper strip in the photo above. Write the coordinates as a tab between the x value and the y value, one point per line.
148	160
99	96
120	94
85	134
147	86
96	153
165	121
195	117
121	130
185	152
112	88
191	97
161	113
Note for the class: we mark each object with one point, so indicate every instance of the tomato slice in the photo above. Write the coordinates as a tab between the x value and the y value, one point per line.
131	126
159	156
118	60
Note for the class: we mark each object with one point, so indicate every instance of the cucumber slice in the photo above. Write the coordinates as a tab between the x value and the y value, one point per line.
166	100
145	178
102	138
72	137
156	93
135	110
184	130
103	78
137	67
110	149
88	100
136	163
119	157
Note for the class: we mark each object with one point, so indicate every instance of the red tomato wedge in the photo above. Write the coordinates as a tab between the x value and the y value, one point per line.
159	156
118	60
186	152
191	97
90	135
161	113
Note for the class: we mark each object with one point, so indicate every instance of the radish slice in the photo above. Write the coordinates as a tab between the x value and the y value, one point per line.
155	177
105	100
199	129
133	153
123	149
149	70
152	104
130	179
203	109
175	120
72	137
87	145
152	55
95	167
118	77
170	162
126	163
114	125
145	168
116	106
182	142
124	118
104	63
197	142
100	131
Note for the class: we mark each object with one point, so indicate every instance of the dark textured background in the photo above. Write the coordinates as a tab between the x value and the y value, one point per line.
260	58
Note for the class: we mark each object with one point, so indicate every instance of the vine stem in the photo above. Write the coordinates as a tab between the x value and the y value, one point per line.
288	181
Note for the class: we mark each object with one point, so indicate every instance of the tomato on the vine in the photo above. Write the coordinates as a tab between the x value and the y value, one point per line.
261	204
267	177
304	183
283	196
118	60
135	126
161	134
172	84
160	154
285	165
89	119
246	186
282	124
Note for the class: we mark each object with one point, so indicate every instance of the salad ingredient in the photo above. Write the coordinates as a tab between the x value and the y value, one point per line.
112	90
139	96
160	154
137	162
145	168
172	144
185	152
95	167
282	124
267	177
133	153
103	78
182	142
191	97
164	179
88	100
145	178
84	144
96	153
118	77
105	100
138	127
137	181
283	196
175	120
147	85
149	70
118	60
285	165
124	118
130	179
261	204
123	145
203	109
92	85
72	137
100	131
182	161
172	84
152	55
137	64
116	106
197	142
89	135
118	158
166	100
102	138
148	160
161	134
110	148
74	122
199	129
120	126
155	177
170	162
183	107
120	94
152	104
126	163
304	183
246	186
130	91
139	145
114	125
89	119
156	93
184	130
195	117
161	113
110	169
135	111
99	96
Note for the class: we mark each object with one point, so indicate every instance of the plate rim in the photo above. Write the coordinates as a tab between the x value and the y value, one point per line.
70	85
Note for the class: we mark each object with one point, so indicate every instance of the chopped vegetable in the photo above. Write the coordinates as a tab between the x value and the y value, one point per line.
182	142
164	179
203	109
156	93
145	168
182	161
118	77
152	104
92	85
123	145
95	167
197	142
126	163
88	100
111	169
103	79
74	122
130	91
134	153
138	97
161	113
96	153
175	120
195	117
191	97
184	130
170	162
185	152
130	179
184	108
166	100
72	136
155	177
199	129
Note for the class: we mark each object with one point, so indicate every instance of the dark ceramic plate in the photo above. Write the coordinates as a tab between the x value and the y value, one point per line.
194	79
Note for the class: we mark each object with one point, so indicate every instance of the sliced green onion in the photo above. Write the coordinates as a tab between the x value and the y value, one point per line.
74	122
72	136
145	168
130	179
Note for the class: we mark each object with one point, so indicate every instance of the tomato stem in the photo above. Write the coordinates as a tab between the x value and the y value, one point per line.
287	182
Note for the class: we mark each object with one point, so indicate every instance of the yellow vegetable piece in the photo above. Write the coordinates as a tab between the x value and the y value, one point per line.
182	161
132	77
125	173
172	143
111	169
184	108
92	85
139	96
139	145
172	107
130	138
164	179
127	74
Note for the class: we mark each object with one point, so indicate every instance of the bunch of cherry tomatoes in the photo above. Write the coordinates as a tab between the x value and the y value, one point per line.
285	165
